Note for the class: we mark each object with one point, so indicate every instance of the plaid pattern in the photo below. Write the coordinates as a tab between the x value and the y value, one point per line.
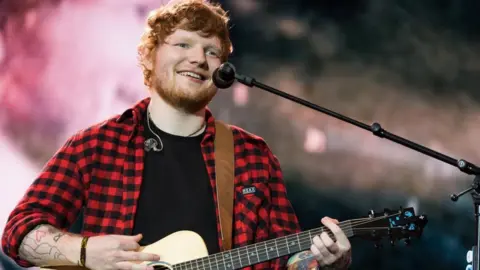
101	168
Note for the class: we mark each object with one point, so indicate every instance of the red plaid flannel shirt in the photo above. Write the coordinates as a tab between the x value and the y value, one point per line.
101	168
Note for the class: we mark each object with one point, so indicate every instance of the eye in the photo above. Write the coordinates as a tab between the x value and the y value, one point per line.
182	45
213	53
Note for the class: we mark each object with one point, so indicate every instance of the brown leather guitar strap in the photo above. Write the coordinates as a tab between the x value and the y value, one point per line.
225	176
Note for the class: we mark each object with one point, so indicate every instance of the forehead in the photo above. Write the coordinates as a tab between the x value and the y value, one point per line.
198	37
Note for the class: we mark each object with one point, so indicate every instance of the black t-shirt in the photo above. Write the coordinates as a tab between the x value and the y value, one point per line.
175	193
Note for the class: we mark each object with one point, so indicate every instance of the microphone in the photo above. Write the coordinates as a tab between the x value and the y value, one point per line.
151	144
224	76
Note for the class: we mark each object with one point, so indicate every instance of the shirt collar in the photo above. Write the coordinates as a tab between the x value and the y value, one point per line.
137	113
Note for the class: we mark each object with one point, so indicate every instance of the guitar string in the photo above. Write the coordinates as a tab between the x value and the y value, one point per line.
232	261
224	260
281	246
239	259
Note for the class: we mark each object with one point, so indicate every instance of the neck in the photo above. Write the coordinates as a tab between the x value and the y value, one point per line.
174	121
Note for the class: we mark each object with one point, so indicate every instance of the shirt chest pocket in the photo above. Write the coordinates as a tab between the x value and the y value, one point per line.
252	207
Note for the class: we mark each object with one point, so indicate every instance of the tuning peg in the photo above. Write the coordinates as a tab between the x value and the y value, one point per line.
392	243
371	213
407	241
378	245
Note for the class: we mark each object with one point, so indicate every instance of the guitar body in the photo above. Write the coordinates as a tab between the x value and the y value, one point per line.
175	248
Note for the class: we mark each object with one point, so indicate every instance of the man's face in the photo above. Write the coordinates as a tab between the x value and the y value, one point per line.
184	66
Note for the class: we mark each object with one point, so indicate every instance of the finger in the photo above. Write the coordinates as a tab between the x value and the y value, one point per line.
319	255
122	236
142	267
324	256
331	219
133	266
128	245
316	252
329	244
139	256
135	238
317	241
339	235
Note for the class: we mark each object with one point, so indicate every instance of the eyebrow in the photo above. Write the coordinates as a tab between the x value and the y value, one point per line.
208	45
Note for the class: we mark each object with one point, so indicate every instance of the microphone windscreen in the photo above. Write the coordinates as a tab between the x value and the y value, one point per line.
224	76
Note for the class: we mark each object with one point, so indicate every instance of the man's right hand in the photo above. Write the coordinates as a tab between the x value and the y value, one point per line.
46	245
108	252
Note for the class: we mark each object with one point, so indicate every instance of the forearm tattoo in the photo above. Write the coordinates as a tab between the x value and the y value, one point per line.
40	246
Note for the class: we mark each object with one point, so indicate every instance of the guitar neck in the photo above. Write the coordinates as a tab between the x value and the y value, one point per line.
261	251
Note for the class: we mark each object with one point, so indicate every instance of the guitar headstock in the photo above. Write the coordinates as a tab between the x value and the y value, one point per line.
397	225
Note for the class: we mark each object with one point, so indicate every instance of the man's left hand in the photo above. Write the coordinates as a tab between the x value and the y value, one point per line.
332	254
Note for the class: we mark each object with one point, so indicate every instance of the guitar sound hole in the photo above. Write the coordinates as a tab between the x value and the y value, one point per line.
160	267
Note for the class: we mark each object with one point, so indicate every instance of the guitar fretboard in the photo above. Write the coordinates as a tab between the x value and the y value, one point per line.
260	252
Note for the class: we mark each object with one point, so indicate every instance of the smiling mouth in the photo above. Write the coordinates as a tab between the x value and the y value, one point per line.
192	75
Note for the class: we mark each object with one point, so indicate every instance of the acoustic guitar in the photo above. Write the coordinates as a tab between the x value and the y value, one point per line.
187	250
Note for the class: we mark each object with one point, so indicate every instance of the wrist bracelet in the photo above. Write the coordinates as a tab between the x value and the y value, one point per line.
83	252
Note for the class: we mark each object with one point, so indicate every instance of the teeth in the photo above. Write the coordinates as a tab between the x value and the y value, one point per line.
190	74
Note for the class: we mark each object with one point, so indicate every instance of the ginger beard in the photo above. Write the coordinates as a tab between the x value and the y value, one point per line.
189	97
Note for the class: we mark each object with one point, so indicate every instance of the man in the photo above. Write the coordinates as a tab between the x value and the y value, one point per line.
134	193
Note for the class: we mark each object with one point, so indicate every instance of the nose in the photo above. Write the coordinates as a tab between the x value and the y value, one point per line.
197	56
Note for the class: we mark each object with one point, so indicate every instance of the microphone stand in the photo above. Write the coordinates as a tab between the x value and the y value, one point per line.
227	73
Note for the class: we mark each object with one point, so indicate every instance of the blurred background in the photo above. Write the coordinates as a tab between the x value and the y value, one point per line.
410	65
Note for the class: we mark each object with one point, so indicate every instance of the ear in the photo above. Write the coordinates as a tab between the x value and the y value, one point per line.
150	59
147	53
148	64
